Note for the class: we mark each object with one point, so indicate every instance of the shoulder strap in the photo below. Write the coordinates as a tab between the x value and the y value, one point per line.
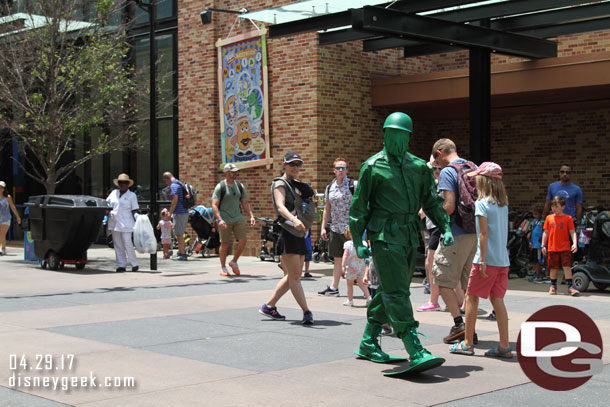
241	189
352	186
223	191
287	186
328	188
184	191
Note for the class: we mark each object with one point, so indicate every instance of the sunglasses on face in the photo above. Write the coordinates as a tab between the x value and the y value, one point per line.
295	164
123	182
341	168
565	172
435	155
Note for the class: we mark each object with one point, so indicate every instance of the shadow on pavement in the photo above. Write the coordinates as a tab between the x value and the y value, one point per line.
136	288
439	375
320	323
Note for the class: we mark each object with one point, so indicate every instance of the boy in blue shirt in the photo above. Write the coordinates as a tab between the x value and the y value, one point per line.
535	239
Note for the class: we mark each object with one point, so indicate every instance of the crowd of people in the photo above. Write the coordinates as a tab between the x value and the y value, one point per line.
371	241
374	225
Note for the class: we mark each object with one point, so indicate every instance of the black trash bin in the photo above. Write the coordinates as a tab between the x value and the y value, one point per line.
63	227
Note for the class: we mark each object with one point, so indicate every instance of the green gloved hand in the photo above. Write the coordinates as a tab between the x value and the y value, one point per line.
448	239
363	252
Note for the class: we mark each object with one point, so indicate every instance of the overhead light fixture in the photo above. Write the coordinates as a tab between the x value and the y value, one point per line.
206	15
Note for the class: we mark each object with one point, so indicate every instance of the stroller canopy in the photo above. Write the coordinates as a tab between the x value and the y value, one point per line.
206	213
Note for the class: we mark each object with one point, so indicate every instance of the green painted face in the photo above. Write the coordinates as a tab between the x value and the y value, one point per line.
396	141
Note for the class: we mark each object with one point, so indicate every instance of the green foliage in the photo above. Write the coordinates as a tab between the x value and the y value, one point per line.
64	79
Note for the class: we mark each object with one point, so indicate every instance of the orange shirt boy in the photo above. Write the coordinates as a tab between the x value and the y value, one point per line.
558	230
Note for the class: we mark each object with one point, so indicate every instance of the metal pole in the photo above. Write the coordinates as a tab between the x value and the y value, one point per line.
480	103
154	164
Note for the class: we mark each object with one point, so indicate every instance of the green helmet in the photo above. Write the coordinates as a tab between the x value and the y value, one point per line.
400	121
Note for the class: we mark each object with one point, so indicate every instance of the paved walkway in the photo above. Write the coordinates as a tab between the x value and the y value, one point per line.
189	337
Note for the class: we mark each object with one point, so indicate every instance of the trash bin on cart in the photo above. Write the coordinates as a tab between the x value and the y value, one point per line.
63	227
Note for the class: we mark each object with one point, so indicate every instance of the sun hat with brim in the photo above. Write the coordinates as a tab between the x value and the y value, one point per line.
487	169
123	177
2	184
292	156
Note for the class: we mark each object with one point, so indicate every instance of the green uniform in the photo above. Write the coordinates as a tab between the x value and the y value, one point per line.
388	196
393	186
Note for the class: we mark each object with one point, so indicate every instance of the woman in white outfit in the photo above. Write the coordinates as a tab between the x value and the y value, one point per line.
6	205
121	222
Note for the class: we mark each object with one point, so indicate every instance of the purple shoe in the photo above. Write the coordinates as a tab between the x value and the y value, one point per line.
271	312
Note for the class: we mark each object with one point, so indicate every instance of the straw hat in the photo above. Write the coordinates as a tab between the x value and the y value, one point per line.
123	177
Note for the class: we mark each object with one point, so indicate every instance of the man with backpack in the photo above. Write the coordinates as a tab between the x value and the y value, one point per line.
228	200
452	264
179	212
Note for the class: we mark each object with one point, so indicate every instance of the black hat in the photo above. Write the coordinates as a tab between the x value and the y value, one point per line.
292	156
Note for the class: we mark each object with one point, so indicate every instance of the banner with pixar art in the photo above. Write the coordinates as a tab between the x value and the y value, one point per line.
244	111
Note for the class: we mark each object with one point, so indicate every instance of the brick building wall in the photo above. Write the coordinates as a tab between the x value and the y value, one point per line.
320	106
531	148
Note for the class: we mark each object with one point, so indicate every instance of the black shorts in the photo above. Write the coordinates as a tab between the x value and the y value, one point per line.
335	244
290	244
435	237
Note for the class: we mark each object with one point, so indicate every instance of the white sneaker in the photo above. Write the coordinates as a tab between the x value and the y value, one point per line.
349	303
234	267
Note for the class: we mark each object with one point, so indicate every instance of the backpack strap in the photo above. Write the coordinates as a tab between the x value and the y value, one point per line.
352	186
223	190
328	188
177	181
458	167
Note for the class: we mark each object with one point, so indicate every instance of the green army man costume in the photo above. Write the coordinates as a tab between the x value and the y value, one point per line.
392	187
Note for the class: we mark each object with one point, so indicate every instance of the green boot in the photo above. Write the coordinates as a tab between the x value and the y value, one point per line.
420	358
370	349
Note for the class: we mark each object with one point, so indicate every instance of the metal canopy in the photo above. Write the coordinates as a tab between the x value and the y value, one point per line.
387	21
552	22
534	20
421	27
